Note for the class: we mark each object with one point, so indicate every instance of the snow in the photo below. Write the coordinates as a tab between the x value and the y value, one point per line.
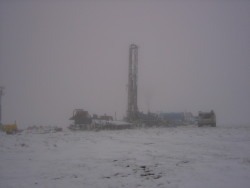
176	157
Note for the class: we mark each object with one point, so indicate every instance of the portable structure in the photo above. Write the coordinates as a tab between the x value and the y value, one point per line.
177	118
173	118
149	119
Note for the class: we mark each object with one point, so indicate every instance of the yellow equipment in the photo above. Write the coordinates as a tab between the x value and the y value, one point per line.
10	128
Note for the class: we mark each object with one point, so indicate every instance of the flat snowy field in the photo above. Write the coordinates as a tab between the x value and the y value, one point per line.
179	157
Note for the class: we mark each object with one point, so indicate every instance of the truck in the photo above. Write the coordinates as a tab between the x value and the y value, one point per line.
10	128
207	118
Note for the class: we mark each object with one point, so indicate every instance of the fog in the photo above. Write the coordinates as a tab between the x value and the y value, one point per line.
56	56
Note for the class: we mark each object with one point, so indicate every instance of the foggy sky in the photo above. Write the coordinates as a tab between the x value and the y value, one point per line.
56	56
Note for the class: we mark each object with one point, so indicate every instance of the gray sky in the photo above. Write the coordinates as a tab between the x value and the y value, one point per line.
56	56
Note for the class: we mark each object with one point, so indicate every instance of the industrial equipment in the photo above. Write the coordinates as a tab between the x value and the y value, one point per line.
207	118
81	118
132	111
10	128
1	94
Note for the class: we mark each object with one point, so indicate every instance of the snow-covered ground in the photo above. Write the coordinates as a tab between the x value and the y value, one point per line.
177	157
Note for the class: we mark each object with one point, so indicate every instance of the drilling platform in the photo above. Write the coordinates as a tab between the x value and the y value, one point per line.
132	110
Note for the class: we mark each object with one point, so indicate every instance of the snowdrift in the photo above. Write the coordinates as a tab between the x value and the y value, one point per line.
173	157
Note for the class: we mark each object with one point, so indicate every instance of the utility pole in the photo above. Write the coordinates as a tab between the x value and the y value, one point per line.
1	94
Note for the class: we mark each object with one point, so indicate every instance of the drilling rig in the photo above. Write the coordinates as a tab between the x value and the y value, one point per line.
132	111
1	94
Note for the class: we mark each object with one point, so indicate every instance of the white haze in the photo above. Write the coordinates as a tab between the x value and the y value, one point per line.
56	56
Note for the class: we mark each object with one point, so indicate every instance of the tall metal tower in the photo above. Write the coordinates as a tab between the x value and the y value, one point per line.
1	94
132	111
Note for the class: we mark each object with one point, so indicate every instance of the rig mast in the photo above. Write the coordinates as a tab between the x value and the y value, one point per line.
132	111
1	94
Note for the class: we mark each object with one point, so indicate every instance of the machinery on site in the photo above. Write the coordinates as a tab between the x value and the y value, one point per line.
132	108
1	94
134	117
10	128
133	114
81	118
207	118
